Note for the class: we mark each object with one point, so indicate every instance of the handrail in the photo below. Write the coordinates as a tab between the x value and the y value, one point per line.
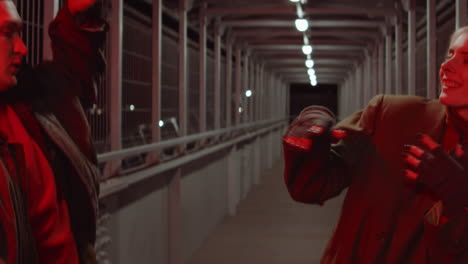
176	141
114	185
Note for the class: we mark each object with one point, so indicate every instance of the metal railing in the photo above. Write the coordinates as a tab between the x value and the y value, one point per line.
239	134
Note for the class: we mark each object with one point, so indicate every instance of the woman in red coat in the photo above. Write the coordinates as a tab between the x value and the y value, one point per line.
403	162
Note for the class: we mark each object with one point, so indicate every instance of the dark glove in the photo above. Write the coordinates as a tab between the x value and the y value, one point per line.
311	127
442	173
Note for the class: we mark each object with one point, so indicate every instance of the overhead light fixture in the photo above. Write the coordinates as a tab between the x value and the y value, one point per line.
248	93
161	123
311	72
240	109
309	63
301	24
131	107
307	49
294	1
313	82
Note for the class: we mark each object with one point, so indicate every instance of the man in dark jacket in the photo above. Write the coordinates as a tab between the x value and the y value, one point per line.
403	161
48	169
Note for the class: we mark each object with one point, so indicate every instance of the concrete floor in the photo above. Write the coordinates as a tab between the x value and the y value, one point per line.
271	228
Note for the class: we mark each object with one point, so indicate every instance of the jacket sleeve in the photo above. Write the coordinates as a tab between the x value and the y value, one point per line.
313	177
77	43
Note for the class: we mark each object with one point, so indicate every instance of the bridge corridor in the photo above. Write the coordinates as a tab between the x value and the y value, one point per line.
270	228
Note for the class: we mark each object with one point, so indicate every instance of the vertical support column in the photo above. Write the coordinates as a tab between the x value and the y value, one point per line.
50	10
182	85
381	66
174	218
238	85
356	87
411	9
347	96
202	70
115	80
156	76
288	101
257	92
229	80
398	57
232	181
217	74
375	71
366	76
261	112
388	60
253	87
431	50
369	86
245	87
256	163
359	86
460	13
273	97
174	187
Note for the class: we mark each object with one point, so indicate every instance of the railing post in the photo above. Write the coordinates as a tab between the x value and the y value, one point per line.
156	77
115	63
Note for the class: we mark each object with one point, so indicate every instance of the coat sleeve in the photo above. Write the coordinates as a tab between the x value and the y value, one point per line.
316	177
77	43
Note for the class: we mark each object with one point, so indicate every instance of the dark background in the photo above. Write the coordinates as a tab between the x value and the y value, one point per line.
303	95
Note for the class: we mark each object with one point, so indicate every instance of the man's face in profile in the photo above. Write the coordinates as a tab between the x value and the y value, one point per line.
12	48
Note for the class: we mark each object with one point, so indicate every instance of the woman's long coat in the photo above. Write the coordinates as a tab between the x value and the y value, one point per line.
385	218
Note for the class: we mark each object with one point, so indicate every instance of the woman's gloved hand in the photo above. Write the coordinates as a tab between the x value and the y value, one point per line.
312	129
444	174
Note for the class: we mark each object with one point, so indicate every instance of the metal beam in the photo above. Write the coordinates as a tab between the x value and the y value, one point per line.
298	52
319	69
300	40
255	32
306	80
309	11
290	23
267	54
302	61
318	47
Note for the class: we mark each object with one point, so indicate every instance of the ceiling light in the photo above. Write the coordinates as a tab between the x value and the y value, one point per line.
309	63
294	1
311	72
161	123
313	82
248	93
307	49
301	24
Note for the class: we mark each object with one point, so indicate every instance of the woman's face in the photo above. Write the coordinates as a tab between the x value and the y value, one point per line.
454	74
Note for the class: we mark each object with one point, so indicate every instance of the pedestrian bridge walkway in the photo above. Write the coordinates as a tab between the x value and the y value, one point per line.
269	227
